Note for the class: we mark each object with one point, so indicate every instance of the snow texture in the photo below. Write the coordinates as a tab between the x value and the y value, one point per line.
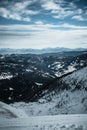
78	76
72	101
6	111
58	122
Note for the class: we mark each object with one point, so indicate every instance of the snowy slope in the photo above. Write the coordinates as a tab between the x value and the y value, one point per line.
58	122
72	102
6	111
66	101
77	78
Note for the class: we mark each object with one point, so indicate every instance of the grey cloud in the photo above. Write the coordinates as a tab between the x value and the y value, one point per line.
59	9
79	18
19	11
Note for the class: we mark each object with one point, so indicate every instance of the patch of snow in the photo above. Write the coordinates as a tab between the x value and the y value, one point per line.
11	89
47	74
35	68
49	66
2	57
57	65
70	69
39	84
29	70
9	98
5	76
58	74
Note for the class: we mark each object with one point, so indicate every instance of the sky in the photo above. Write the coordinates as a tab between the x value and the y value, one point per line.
41	24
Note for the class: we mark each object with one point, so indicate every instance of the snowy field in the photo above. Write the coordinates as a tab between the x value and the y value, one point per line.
58	122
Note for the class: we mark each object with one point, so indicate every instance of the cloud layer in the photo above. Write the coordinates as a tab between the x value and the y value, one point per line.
43	23
59	9
44	37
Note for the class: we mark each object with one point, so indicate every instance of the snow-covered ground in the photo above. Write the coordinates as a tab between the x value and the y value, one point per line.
71	101
77	77
6	76
6	111
58	122
45	113
66	102
15	119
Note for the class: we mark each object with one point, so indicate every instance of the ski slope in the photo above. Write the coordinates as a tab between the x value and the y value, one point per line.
58	122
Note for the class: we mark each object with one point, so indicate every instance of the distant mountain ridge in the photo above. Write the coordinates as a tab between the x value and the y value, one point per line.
38	51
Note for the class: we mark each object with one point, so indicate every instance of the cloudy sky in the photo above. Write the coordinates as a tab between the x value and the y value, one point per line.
43	23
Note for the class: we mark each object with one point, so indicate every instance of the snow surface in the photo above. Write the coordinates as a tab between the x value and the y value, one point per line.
78	76
6	111
39	84
62	102
35	115
70	69
18	121
58	122
5	76
56	65
29	70
66	102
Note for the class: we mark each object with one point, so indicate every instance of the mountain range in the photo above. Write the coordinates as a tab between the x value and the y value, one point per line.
25	77
38	51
